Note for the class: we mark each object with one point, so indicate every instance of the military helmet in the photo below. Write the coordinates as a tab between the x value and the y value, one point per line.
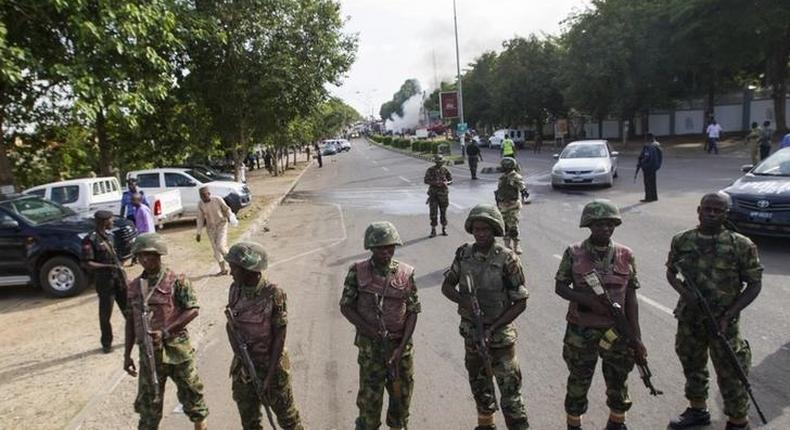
248	255
438	158
600	209
508	163
381	233
489	214
149	242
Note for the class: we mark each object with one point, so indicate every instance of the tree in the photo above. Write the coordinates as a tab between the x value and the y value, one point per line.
395	106
480	107
773	31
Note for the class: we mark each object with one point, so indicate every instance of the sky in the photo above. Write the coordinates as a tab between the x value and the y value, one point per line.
402	39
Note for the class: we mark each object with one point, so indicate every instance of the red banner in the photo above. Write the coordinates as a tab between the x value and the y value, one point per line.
448	103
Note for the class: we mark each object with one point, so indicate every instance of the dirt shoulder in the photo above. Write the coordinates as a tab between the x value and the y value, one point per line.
52	372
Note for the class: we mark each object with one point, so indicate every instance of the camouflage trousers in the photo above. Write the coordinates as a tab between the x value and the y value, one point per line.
508	377
189	390
373	379
437	205
279	397
511	214
580	352
693	344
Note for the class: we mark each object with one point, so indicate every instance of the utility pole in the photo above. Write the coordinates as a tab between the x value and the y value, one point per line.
460	84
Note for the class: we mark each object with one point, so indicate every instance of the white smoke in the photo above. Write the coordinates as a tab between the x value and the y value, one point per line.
411	115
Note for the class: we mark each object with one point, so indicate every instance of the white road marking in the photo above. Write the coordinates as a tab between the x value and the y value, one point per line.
645	299
386	169
456	205
374	161
320	248
404	179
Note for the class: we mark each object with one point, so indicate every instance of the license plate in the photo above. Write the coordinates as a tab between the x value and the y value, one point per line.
577	179
760	215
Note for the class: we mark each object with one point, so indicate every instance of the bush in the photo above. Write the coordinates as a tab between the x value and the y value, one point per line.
387	140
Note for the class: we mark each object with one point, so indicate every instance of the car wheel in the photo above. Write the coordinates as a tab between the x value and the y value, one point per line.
555	187
62	277
615	174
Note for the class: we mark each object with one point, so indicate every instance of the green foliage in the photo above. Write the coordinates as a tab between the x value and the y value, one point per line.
395	106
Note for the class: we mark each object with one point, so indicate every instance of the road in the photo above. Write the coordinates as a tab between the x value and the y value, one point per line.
317	233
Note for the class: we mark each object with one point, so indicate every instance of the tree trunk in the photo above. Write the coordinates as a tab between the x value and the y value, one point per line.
600	127
777	75
6	174
105	148
709	103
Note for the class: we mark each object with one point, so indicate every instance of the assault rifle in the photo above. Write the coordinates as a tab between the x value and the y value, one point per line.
392	368
146	342
638	167
712	326
623	328
243	352
481	342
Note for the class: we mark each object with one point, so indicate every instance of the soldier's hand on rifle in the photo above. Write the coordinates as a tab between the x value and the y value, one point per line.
267	382
128	365
197	237
640	352
156	337
724	321
394	360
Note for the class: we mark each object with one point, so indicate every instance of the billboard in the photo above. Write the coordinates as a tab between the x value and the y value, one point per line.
448	103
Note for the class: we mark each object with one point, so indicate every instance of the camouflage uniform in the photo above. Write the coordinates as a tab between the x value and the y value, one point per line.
499	281
582	343
717	265
175	358
373	358
508	197
257	311
438	196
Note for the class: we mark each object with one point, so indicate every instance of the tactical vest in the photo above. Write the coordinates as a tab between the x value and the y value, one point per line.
392	289
161	304
507	189
488	277
254	321
615	280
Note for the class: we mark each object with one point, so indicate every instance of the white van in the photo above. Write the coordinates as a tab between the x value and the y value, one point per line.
84	196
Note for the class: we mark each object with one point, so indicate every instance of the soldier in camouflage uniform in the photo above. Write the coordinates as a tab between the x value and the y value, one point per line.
438	178
590	332
498	283
261	315
719	262
172	305
509	193
380	300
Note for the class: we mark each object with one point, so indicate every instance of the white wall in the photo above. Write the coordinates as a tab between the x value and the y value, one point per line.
689	121
658	124
730	117
611	129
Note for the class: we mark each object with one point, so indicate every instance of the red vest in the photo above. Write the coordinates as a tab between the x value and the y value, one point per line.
394	289
615	280
161	304
254	321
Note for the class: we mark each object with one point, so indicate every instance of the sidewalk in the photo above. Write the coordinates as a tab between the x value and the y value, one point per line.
53	373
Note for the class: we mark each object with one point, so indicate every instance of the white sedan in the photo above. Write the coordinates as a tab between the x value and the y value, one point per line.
585	162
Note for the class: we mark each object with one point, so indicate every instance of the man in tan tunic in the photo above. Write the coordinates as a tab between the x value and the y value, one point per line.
215	214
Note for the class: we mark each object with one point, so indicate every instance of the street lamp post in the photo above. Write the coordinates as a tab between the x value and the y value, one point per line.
460	83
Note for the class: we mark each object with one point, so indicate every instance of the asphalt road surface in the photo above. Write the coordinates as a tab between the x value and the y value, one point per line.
317	233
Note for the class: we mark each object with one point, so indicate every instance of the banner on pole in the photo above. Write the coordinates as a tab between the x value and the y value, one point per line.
448	103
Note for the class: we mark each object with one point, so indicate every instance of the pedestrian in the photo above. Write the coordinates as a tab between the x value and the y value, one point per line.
785	143
766	134
508	147
143	218
438	177
719	262
487	277
714	133
753	140
127	208
473	155
650	160
510	192
258	159
215	214
267	160
259	308
318	155
380	300
171	303
99	256
591	329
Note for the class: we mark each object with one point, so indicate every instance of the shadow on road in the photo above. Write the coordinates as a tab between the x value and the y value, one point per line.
769	382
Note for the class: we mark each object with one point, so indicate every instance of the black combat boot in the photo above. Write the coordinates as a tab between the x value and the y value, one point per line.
731	426
433	232
691	417
488	427
444	231
570	427
610	425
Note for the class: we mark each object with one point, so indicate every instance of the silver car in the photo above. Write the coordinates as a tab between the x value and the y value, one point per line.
585	162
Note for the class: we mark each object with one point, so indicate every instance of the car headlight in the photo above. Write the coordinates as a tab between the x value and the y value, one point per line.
600	169
556	170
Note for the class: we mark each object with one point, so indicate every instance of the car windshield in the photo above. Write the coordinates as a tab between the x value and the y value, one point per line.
775	165
584	151
200	176
36	210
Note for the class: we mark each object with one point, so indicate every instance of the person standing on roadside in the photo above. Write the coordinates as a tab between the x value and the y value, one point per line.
143	218
508	147
318	155
380	300
766	134
714	134
486	281
725	268
127	208
650	160
473	155
99	256
215	214
510	194
438	177
753	140
171	303
260	311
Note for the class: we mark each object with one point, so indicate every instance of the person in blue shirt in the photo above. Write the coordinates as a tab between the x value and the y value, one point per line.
785	143
127	208
650	160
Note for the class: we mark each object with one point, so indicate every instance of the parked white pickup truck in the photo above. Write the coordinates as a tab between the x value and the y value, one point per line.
188	182
85	196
